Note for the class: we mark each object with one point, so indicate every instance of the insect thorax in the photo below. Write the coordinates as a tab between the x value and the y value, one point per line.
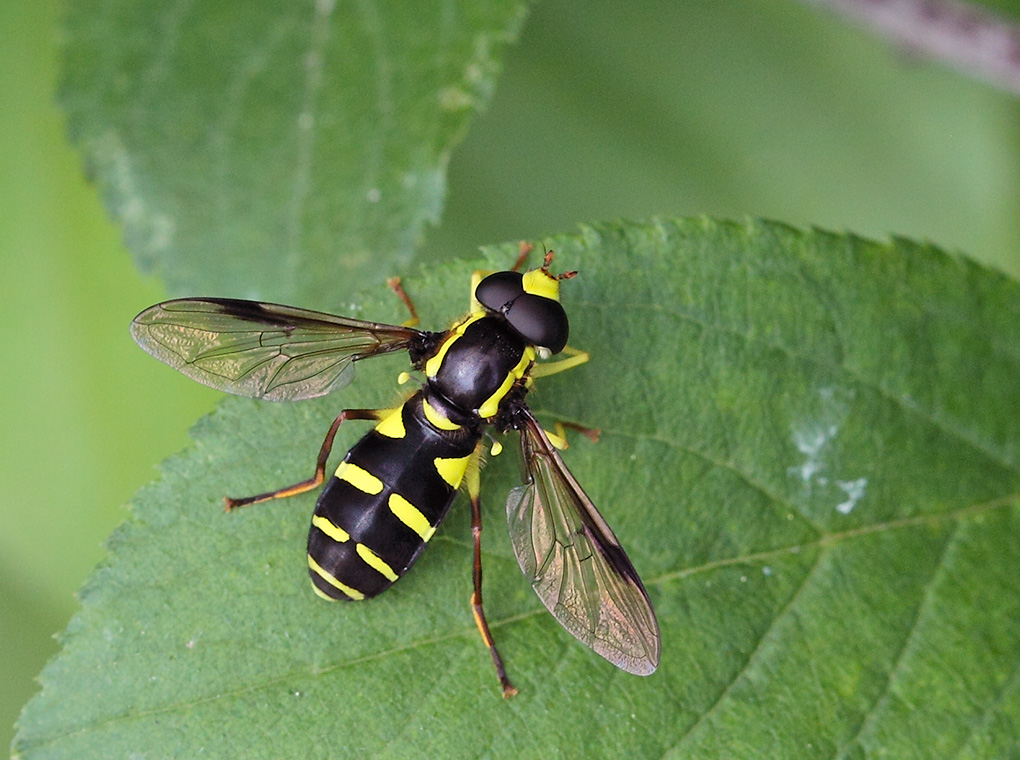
478	365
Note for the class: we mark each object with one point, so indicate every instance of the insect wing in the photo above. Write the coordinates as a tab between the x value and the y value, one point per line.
262	350
575	563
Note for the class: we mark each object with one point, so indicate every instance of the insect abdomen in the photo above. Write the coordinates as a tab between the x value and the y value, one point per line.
385	501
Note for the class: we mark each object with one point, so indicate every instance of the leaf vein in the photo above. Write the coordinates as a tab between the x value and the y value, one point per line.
831	539
267	683
752	656
761	488
1009	684
878	707
866	382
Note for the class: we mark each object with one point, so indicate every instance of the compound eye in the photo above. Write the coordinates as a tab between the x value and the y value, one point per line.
499	289
542	321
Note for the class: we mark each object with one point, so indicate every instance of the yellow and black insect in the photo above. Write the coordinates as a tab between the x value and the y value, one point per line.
393	489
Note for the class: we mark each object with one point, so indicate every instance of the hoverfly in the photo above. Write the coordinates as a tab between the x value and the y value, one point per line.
395	486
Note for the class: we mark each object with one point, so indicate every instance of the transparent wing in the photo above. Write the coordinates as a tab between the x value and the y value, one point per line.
263	350
575	563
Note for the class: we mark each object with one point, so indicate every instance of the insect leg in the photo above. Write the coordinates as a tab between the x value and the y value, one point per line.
592	434
320	464
523	250
396	287
575	358
474	493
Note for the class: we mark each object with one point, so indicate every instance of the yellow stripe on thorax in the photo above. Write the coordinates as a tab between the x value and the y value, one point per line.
353	593
411	516
491	405
432	365
361	479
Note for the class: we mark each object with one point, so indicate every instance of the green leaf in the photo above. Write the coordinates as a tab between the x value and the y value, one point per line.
810	451
279	150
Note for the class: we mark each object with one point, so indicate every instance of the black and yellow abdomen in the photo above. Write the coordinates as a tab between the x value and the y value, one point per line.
395	486
385	501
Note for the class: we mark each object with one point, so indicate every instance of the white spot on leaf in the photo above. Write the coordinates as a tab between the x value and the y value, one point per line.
816	439
854	490
810	443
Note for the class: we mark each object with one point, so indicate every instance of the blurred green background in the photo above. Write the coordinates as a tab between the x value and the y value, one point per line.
606	110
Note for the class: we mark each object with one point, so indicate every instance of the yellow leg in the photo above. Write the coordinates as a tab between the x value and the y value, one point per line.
575	358
476	277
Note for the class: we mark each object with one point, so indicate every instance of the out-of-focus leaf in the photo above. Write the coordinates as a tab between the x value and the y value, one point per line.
810	451
280	150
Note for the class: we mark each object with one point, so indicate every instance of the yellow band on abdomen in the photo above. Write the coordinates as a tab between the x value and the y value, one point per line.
353	593
361	479
411	516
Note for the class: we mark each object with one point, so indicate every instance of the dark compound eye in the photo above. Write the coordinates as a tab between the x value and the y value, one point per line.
542	321
499	289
